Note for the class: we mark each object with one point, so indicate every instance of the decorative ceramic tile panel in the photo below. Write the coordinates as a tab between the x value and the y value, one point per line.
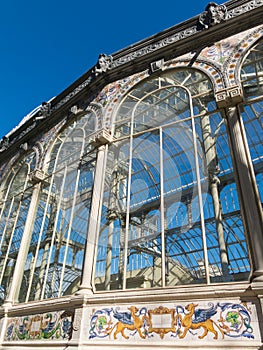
48	326
192	321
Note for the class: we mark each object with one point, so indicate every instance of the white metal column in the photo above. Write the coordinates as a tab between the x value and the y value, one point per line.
24	247
87	271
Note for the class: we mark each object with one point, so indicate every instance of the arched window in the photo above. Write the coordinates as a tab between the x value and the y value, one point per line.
252	82
15	198
162	222
54	262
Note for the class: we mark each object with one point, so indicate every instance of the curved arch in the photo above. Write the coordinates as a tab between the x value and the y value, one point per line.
120	91
233	65
211	69
122	88
178	77
94	108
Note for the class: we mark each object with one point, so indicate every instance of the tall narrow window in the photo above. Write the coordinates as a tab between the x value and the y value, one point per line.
15	199
170	212
54	262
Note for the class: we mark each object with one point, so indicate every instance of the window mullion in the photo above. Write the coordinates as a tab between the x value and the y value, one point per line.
126	239
69	232
7	220
163	248
24	245
199	189
39	241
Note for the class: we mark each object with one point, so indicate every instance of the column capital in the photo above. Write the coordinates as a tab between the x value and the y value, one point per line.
101	137
229	97
37	176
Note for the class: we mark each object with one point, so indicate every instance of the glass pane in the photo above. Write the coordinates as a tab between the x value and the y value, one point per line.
144	267
183	234
252	113
253	121
55	257
111	241
162	100
252	73
223	224
160	108
16	198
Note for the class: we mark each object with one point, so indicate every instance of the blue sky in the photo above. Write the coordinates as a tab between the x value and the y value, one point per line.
47	45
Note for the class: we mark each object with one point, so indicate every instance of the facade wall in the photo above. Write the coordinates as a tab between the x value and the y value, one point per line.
68	247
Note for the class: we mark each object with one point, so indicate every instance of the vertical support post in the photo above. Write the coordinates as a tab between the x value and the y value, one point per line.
24	247
86	282
214	182
109	253
210	153
163	243
249	198
111	217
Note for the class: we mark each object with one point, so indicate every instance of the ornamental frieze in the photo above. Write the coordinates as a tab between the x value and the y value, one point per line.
213	321
251	5
48	326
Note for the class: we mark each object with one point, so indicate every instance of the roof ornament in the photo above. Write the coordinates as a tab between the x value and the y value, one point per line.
4	143
213	15
45	110
103	65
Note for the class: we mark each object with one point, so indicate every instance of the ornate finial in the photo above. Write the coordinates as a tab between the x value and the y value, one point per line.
104	63
213	14
45	110
4	143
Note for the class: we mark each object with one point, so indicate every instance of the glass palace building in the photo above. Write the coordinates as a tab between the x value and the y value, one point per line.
131	203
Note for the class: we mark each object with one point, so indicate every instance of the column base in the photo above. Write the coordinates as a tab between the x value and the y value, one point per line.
7	305
257	276
84	290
